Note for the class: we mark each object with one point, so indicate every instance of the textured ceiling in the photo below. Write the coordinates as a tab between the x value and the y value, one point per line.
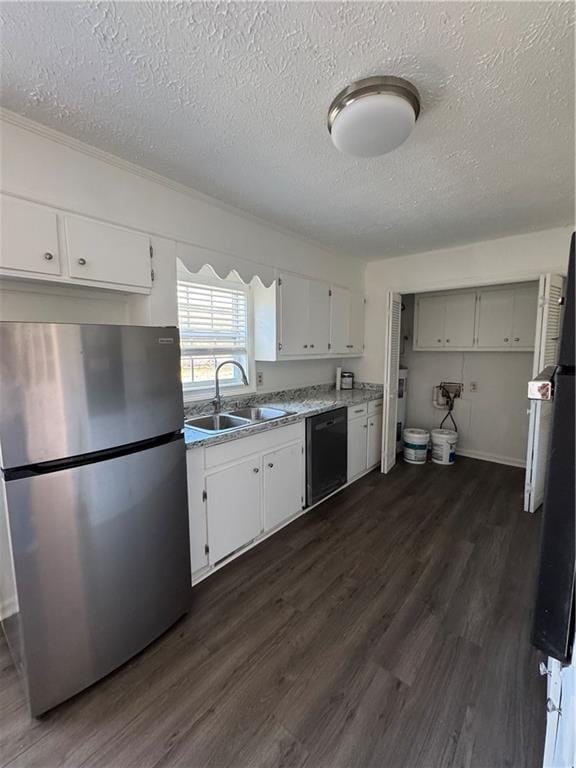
231	99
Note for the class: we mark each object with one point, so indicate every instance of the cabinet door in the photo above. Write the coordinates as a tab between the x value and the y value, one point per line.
197	510
429	331
294	293
102	253
283	484
357	445
29	237
374	445
459	320
524	318
495	310
339	320
233	507
318	318
356	332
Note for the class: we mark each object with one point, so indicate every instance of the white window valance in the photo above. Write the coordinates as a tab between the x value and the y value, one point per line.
194	258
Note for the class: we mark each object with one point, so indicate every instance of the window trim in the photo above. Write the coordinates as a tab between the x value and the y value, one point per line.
193	393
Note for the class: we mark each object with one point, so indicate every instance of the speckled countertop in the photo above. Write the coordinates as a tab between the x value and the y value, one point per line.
300	402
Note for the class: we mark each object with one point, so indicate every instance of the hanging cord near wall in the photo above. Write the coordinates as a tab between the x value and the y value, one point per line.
449	397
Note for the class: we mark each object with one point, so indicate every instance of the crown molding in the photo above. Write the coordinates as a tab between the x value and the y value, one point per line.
51	134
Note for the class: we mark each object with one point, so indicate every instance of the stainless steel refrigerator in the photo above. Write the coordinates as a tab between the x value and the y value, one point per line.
94	499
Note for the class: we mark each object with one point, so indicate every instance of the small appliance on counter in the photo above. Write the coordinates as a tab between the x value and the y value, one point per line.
346	380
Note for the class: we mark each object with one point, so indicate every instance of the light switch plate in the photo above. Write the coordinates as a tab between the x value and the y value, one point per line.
473	386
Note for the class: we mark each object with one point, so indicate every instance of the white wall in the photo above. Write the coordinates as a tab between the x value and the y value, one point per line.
44	166
506	260
492	422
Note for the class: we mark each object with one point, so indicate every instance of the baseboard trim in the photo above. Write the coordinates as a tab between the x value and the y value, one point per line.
493	457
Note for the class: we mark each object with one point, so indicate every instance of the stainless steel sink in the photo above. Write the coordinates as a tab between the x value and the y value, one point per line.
221	422
259	414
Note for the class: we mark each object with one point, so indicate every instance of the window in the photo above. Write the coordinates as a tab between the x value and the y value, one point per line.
214	322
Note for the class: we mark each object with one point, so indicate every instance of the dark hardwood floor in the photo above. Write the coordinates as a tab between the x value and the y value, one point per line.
387	628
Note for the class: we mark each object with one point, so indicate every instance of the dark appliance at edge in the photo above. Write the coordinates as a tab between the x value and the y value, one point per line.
326	454
553	626
93	471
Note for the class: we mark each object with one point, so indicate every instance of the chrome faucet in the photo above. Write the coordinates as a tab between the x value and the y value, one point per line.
217	402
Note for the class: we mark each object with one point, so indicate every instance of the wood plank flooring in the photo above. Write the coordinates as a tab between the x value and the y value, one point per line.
387	628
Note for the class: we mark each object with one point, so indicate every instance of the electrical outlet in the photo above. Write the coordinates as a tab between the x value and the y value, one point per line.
259	379
473	386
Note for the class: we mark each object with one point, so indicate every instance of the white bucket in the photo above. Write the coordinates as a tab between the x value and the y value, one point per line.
416	445
444	446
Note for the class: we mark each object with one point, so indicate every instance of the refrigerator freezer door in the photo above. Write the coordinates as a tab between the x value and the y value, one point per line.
102	564
67	390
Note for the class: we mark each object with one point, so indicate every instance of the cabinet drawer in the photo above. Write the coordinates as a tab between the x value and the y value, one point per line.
357	411
259	443
375	406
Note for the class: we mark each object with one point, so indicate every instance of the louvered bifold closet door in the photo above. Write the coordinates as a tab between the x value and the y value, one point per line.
391	382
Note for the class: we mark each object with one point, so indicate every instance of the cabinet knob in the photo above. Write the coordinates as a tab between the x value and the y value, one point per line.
365	426
311	346
506	339
255	470
82	261
516	338
439	341
447	341
48	256
270	465
305	346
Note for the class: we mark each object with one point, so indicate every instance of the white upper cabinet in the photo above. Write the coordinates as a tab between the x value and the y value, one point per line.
524	318
356	338
339	320
346	322
40	243
294	320
459	320
298	317
495	310
489	319
319	317
105	254
429	322
29	238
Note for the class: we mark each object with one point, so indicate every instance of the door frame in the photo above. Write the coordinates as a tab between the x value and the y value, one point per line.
449	284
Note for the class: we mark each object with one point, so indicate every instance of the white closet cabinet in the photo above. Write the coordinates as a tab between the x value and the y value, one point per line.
233	507
488	319
445	321
28	239
102	253
283	474
495	312
506	318
357	447
374	446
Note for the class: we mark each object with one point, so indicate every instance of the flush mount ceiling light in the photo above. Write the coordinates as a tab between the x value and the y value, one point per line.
373	116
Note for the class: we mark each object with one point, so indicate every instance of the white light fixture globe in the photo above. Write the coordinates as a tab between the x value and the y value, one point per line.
373	116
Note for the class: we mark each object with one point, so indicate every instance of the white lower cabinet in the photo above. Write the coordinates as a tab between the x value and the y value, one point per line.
282	484
364	438
357	447
374	451
233	507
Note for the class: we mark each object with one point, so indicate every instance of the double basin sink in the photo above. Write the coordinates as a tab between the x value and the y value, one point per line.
225	422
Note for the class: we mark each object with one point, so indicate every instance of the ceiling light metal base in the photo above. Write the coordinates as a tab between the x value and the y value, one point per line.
371	86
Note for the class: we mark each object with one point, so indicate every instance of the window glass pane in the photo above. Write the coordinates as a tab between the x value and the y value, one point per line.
213	324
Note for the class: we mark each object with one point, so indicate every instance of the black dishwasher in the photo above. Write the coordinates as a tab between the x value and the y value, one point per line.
326	453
